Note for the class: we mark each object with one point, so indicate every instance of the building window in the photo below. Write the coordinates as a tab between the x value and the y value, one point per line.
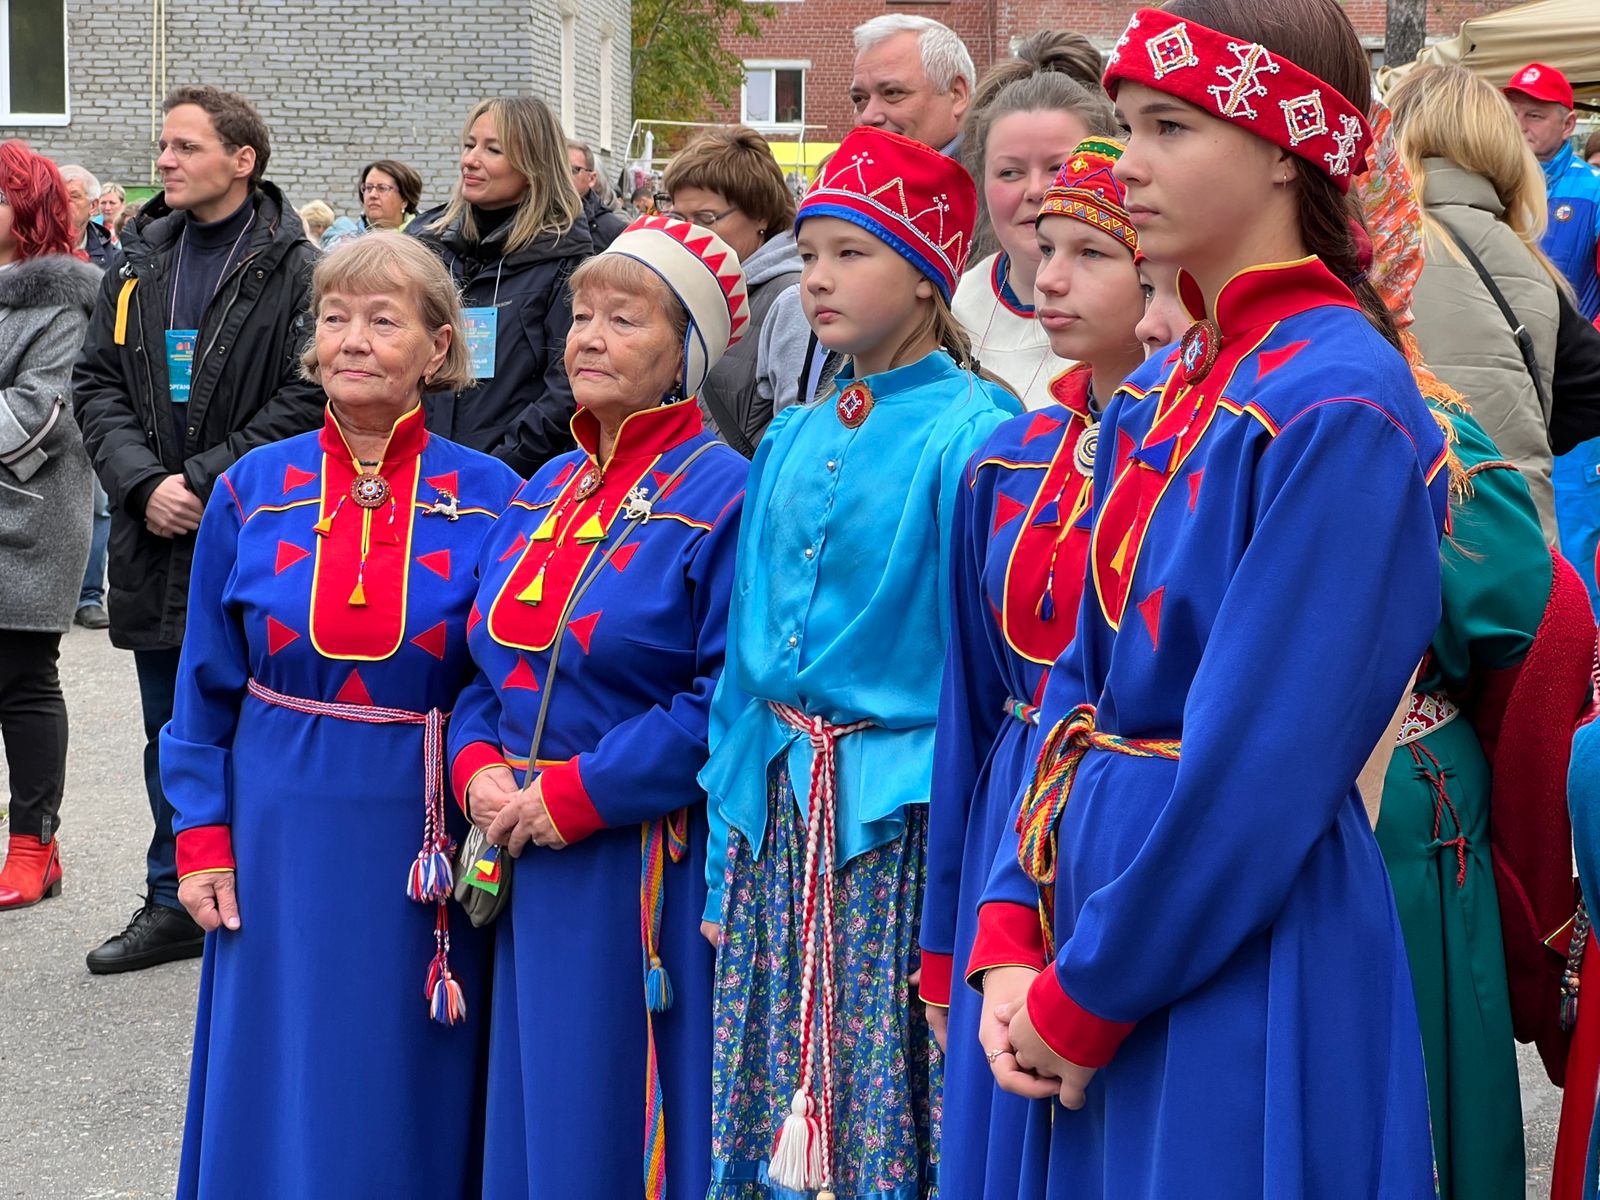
608	40
774	94
569	55
33	62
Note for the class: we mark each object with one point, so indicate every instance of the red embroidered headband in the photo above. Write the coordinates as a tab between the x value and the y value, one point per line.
1245	83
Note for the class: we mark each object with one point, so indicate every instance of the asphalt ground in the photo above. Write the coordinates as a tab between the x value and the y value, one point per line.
94	1069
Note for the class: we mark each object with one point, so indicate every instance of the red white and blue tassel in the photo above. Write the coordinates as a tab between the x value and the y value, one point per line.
431	878
446	1002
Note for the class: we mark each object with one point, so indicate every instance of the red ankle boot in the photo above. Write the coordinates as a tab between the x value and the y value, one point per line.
32	872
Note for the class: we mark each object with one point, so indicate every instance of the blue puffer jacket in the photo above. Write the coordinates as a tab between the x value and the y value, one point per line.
520	414
1570	239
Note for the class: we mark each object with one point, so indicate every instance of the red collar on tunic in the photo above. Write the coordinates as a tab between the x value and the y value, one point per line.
1070	389
407	437
1269	292
644	434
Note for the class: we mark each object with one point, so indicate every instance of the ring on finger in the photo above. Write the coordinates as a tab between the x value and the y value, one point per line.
994	1054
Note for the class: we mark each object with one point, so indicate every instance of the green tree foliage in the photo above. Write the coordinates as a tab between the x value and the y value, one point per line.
680	67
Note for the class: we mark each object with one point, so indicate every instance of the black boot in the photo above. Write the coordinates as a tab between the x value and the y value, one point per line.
156	934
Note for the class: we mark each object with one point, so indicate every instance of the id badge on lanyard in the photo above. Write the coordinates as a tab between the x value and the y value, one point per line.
482	326
180	363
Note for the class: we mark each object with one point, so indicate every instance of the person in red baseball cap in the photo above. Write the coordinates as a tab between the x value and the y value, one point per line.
1541	97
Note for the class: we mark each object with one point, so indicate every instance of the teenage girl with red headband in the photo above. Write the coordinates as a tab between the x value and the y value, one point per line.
1226	1005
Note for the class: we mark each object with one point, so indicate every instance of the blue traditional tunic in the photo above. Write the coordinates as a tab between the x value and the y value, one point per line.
573	1086
316	1068
840	610
1263	579
1022	533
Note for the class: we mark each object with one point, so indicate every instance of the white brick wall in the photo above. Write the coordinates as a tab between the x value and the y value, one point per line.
338	84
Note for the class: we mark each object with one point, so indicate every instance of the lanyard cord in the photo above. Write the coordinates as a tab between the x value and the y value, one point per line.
177	270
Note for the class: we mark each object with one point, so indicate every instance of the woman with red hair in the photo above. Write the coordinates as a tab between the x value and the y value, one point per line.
47	290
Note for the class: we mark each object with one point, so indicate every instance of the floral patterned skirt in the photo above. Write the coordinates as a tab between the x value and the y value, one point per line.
887	1069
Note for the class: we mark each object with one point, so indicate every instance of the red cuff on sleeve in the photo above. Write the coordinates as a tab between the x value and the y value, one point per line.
1008	936
474	757
566	800
1068	1028
205	848
936	972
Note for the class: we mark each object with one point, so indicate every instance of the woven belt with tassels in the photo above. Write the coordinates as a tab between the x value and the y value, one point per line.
802	1156
1046	798
430	879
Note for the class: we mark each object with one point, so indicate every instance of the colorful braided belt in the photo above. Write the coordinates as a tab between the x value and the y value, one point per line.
430	879
1046	798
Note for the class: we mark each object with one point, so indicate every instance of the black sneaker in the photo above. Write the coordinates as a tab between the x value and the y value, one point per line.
155	935
92	616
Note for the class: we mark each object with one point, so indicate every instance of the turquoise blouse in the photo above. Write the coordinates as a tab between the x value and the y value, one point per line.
840	602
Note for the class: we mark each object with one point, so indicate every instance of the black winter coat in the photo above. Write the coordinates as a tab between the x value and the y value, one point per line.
1575	385
246	392
521	415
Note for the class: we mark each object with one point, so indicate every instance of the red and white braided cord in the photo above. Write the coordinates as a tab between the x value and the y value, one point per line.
818	903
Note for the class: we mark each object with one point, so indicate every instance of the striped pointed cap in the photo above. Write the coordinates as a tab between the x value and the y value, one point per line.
703	273
1086	190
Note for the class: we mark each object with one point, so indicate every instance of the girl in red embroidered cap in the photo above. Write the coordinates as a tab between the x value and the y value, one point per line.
1027	114
1021	535
1226	1009
822	727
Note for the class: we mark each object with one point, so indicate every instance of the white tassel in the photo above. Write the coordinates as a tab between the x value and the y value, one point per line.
797	1154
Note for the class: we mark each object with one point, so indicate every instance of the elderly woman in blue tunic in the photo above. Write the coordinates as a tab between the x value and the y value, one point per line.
327	639
598	634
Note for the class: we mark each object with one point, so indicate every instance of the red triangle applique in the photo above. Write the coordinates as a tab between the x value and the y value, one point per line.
516	547
1150	610
663	488
437	561
1041	424
473	617
624	555
715	261
1194	487
1006	510
288	555
294	477
354	691
583	629
279	635
1269	361
562	476
432	640
521	677
1124	446
1038	692
444	483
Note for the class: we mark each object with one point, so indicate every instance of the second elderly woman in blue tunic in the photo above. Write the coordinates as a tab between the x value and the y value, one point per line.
615	563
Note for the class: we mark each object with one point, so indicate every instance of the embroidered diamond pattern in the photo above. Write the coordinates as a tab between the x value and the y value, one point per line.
1171	51
1304	116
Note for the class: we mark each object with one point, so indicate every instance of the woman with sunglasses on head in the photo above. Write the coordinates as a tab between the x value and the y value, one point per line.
1226	1008
511	236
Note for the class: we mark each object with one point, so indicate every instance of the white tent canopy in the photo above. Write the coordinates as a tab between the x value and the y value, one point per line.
1564	34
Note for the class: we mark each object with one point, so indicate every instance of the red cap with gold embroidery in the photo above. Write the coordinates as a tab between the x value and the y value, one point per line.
909	196
1242	82
1539	82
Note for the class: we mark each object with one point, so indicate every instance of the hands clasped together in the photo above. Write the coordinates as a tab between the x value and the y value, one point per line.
1022	1062
511	816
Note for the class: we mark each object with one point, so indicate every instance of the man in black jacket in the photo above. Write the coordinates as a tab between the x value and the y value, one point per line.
191	359
604	225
